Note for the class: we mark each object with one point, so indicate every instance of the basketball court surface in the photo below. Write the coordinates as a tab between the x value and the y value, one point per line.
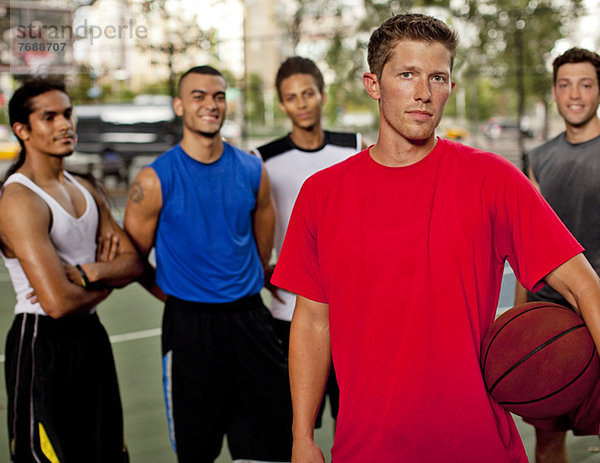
132	318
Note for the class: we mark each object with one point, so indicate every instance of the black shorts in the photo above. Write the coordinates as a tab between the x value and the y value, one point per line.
225	373
332	390
63	396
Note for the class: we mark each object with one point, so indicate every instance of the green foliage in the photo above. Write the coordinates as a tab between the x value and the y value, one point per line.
255	104
513	42
502	63
181	37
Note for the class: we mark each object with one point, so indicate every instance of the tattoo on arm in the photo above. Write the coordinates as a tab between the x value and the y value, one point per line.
136	192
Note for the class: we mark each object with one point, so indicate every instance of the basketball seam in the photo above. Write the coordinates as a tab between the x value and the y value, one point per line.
534	351
514	318
594	353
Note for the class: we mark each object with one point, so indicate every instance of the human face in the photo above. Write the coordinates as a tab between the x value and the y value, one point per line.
201	104
413	90
576	93
302	101
51	127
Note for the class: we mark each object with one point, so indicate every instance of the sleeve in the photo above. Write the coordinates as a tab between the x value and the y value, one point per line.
297	269
527	232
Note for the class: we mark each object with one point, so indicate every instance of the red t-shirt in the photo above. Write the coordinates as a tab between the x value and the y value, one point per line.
410	261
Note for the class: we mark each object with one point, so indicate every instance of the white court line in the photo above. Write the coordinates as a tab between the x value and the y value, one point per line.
133	336
117	338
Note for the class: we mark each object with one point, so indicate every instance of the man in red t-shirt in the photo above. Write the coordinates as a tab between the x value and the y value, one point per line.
396	256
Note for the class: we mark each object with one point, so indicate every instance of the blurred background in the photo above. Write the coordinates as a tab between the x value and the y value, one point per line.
122	58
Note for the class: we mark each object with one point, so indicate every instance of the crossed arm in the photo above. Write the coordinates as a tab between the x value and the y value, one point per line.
25	221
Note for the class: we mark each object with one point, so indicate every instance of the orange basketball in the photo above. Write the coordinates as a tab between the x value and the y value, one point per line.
539	360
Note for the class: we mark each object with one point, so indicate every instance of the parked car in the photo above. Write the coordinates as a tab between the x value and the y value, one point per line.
498	127
148	126
456	133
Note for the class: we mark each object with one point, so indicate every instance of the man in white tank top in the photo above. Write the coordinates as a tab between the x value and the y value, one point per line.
63	397
290	160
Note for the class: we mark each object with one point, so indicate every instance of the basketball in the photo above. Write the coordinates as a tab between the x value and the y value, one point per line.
539	360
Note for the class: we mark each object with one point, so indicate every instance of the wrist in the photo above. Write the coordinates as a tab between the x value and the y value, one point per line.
89	280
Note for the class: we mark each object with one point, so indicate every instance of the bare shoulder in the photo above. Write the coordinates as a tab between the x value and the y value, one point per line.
24	217
18	200
145	188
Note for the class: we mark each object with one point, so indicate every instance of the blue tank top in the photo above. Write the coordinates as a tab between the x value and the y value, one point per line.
205	248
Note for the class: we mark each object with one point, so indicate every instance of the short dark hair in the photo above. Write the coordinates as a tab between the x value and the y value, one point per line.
408	26
298	65
576	55
20	108
204	69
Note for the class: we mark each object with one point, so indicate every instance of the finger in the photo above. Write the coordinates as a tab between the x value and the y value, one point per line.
100	249
32	297
113	248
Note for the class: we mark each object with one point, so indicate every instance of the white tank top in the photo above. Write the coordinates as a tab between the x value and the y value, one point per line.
74	239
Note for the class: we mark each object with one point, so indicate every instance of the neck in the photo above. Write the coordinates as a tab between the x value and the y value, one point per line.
43	168
584	133
201	148
308	139
401	152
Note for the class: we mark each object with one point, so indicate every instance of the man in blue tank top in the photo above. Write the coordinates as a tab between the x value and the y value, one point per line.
206	208
566	170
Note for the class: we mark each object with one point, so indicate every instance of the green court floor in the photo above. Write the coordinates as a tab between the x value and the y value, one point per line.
132	318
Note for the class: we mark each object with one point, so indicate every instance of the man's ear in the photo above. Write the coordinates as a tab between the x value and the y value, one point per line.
323	98
21	130
371	83
178	106
554	93
282	107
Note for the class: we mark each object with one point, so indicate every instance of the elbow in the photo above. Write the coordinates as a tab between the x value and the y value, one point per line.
54	309
64	303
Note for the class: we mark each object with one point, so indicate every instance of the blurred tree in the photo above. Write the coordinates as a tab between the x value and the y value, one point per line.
502	63
79	90
346	45
512	43
179	34
255	103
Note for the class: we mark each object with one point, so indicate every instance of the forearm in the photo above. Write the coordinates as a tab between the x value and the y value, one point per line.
148	281
588	304
579	284
72	299
117	273
310	360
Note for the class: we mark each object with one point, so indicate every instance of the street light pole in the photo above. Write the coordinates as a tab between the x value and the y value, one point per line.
519	26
